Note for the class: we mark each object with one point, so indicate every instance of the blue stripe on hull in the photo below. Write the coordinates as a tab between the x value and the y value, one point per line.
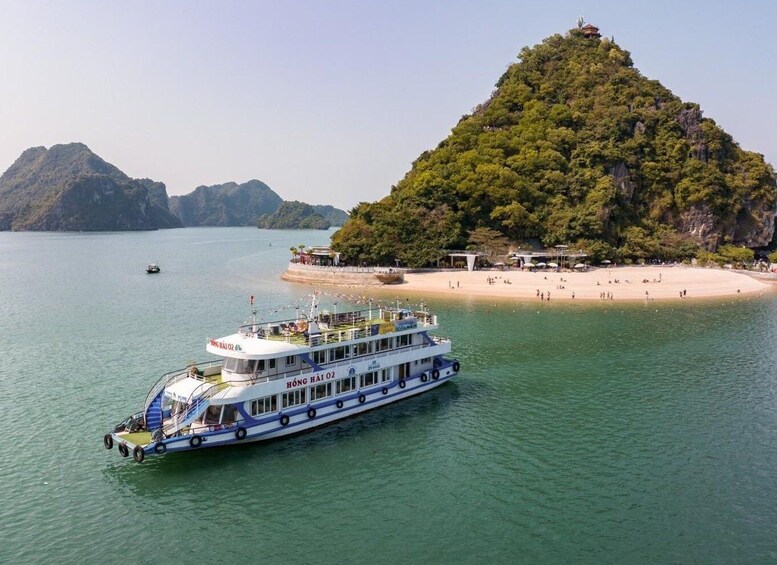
374	399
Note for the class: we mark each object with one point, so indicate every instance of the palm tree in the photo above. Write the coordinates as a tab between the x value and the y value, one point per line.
293	253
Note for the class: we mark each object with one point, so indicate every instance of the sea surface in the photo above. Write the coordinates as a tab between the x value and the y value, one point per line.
574	433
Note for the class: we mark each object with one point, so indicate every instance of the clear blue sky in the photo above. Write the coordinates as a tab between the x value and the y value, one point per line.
331	101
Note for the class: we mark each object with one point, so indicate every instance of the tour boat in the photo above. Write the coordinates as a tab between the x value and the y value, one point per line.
152	268
279	378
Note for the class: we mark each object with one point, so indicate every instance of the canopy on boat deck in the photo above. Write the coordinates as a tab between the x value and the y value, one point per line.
183	389
250	347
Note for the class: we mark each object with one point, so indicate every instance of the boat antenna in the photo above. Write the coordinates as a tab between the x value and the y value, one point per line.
253	310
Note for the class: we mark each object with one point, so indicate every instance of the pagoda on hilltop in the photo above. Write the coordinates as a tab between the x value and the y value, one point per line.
590	31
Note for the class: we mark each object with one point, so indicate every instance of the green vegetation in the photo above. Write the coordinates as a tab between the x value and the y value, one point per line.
293	215
773	257
574	147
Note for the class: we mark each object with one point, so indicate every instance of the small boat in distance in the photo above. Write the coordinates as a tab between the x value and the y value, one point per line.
278	378
152	268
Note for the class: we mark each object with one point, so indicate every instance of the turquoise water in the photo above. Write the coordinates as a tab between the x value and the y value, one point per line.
573	434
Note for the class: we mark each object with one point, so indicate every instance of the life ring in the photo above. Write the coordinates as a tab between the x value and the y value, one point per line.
385	390
339	403
402	383
435	374
241	433
302	326
362	398
311	413
195	441
138	454
456	366
424	377
123	449
284	420
108	441
160	448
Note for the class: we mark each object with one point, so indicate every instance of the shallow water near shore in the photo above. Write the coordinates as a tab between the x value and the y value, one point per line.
581	433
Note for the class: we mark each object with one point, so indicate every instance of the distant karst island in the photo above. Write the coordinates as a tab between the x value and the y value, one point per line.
70	188
575	147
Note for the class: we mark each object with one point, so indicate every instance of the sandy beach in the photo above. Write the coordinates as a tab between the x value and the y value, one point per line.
646	283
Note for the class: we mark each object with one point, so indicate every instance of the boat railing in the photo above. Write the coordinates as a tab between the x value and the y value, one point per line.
173	377
195	403
332	323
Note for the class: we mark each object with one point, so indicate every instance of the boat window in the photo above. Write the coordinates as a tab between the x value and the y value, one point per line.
318	392
369	379
385	375
264	405
404	340
384	344
293	398
290	360
272	363
245	366
339	353
344	385
319	357
261	364
361	349
229	414
230	364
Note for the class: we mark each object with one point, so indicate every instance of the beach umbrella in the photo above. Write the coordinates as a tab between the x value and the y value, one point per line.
579	266
554	265
541	265
606	262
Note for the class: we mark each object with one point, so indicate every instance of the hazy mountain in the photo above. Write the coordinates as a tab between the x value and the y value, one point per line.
293	215
69	188
334	216
228	204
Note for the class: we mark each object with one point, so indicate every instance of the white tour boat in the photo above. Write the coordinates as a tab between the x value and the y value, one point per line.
285	377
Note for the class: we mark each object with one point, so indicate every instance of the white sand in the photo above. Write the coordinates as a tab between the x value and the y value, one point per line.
664	283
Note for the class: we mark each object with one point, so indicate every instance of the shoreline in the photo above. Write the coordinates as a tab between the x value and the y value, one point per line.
600	285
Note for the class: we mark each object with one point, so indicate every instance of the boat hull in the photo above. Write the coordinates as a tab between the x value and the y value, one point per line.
299	418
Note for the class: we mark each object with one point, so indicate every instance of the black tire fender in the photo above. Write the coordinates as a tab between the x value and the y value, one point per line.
385	390
402	383
108	441
362	398
311	413
424	377
123	449
160	448
138	454
339	404
195	441
284	420
435	374
456	366
241	433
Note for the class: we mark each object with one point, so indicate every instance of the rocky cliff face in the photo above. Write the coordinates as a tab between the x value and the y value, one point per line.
69	188
228	204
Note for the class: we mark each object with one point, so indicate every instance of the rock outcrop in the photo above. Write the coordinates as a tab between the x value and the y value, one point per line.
69	188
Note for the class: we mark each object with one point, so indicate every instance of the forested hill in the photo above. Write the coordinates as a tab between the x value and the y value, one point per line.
575	147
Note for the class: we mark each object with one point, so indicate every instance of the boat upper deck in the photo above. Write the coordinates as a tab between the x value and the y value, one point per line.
291	336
